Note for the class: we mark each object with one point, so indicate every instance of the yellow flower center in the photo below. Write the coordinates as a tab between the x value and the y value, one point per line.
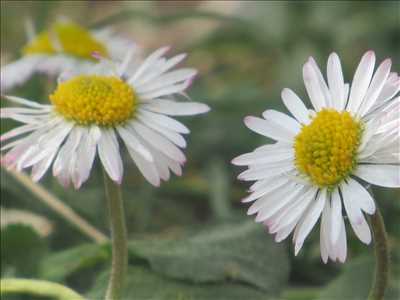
92	99
67	38
326	149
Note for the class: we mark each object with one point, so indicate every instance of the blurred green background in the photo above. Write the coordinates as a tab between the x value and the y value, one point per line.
191	238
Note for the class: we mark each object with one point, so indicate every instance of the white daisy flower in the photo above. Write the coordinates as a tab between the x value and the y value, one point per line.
88	114
311	170
66	45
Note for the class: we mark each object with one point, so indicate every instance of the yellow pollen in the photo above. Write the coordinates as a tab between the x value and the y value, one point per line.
91	99
68	38
326	149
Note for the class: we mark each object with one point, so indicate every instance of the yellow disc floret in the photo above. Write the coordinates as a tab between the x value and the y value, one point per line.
68	38
326	149
91	99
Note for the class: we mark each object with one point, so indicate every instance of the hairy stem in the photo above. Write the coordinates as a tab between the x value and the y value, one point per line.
119	239
382	257
38	288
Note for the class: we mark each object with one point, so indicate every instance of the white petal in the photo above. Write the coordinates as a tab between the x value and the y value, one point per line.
361	81
18	131
272	185
346	92
295	211
325	229
369	131
275	204
382	175
25	102
261	157
110	157
64	155
170	63
341	245
355	215
39	169
125	62
390	89
174	108
159	142
85	155
168	79
270	197
336	217
310	219
336	82
149	61
18	72
164	121
45	145
376	86
267	171
361	196
167	91
296	107
282	120
313	87
268	129
129	136
174	137
147	168
321	81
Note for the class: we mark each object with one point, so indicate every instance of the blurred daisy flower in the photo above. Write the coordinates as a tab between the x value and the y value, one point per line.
311	169
65	45
90	111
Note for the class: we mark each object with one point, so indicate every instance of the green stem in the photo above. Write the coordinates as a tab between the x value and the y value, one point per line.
38	288
119	239
382	257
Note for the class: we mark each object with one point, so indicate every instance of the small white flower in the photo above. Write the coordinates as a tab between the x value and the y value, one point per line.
64	46
312	168
91	111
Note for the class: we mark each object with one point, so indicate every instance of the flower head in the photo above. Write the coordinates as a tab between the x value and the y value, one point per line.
90	111
65	45
320	155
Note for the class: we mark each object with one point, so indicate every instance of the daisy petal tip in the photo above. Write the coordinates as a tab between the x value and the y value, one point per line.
284	92
342	260
297	248
247	120
370	53
156	184
206	109
233	161
311	59
333	55
387	63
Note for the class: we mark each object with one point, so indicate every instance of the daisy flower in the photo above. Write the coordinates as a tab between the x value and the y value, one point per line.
66	45
314	168
90	112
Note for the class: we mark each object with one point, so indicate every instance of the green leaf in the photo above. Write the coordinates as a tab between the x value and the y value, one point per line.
145	285
57	267
21	250
239	252
355	282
